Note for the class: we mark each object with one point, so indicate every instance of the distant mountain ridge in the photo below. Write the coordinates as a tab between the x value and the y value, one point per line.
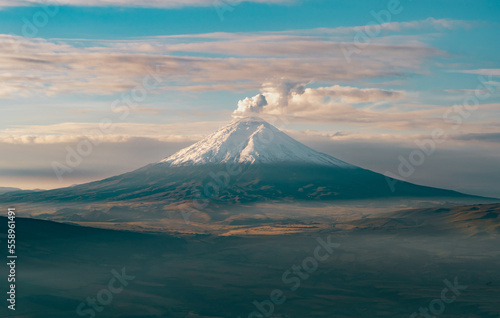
8	189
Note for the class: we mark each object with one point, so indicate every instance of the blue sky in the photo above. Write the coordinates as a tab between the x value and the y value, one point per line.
124	22
62	78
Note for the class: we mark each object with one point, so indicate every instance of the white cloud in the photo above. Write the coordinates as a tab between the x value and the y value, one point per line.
292	98
483	71
433	23
372	110
251	104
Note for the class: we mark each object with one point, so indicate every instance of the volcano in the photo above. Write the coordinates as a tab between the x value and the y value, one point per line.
248	160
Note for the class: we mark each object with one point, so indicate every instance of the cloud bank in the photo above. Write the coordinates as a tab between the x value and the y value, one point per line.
207	62
332	103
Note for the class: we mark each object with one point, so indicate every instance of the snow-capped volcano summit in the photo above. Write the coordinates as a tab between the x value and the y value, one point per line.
250	140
